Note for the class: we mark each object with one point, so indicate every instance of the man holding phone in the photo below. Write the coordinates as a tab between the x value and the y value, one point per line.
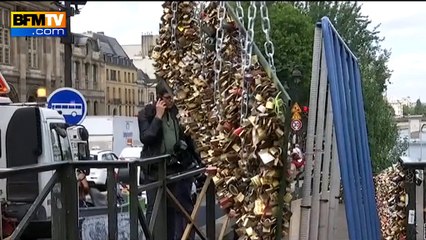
161	133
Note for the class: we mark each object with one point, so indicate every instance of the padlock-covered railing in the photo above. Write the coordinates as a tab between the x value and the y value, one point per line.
234	106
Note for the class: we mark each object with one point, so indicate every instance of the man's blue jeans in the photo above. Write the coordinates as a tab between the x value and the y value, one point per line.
176	221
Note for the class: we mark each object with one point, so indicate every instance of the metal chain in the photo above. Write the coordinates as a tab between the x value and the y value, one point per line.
239	11
218	62
202	41
246	61
266	27
250	34
173	24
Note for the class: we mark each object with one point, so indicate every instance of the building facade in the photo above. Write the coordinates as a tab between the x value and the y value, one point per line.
28	63
121	89
146	78
88	75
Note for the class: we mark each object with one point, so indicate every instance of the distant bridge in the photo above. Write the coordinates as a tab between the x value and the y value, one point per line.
403	122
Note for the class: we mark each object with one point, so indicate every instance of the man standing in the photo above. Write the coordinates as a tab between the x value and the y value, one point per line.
160	134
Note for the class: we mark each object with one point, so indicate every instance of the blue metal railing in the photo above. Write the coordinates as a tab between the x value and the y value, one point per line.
351	133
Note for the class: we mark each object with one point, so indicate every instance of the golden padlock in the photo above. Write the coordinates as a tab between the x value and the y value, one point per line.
270	103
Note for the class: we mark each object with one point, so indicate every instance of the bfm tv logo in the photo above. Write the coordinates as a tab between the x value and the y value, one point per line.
38	24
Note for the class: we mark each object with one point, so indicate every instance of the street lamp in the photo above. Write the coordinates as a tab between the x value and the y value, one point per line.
297	75
68	39
421	141
41	92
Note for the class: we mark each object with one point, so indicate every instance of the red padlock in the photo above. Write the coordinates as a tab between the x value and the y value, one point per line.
225	202
237	132
227	126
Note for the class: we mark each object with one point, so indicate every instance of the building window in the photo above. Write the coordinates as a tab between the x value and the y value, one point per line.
113	75
125	95
77	70
113	93
95	73
128	76
88	108
133	77
95	108
133	96
119	76
107	94
86	71
32	43
151	97
125	77
77	74
4	36
107	74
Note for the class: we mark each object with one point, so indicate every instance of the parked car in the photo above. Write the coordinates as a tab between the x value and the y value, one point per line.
130	153
98	176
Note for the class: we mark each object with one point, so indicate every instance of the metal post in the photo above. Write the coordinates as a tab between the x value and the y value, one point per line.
419	208
319	152
161	222
421	141
67	41
411	206
210	211
307	184
421	144
112	204
69	199
133	208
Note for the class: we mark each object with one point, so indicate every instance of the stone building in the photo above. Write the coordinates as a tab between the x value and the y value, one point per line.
28	63
121	87
88	75
146	78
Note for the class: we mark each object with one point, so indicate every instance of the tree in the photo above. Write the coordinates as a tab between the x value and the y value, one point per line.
406	110
418	108
292	35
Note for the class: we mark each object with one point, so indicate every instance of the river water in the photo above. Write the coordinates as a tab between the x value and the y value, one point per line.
417	147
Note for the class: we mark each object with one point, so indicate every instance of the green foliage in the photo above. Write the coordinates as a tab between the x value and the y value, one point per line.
418	109
292	35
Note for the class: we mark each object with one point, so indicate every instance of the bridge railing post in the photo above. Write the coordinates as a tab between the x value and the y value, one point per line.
160	228
112	204
65	224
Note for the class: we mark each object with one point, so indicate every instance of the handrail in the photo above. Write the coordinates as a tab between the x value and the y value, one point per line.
40	167
44	167
65	169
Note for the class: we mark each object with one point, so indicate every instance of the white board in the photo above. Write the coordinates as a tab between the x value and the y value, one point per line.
96	227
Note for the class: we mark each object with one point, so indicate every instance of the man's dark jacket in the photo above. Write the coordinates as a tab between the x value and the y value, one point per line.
151	135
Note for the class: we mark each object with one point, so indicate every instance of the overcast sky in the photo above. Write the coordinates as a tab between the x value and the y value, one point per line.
403	26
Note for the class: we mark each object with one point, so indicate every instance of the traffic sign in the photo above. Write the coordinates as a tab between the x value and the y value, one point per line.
4	87
296	116
296	108
70	103
296	125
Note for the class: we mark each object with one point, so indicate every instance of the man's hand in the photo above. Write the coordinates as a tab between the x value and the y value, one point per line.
81	176
160	109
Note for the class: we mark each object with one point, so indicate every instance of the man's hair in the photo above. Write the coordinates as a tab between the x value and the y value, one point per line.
161	91
162	88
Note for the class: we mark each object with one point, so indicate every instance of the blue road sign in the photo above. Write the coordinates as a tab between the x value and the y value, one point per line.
70	103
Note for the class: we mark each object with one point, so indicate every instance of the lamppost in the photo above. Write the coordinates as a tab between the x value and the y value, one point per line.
421	141
68	39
